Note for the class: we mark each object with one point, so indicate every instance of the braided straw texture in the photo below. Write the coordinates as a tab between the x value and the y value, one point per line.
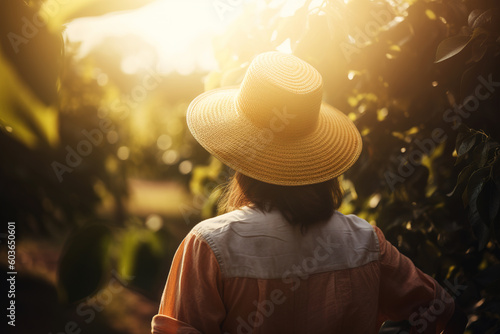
274	127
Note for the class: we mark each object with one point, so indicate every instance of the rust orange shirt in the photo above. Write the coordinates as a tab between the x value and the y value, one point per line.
252	272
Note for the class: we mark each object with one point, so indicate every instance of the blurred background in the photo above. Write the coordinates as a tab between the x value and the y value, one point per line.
103	179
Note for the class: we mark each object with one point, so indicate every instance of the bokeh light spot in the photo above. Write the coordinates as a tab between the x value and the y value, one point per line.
102	79
430	14
164	142
112	137
123	153
382	114
186	167
170	157
154	222
374	200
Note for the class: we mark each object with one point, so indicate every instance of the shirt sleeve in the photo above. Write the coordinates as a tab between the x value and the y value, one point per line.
192	300
406	293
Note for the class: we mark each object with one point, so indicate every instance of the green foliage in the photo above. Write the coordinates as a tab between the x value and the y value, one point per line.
451	46
409	73
24	116
29	129
47	102
410	76
84	265
478	184
27	100
144	258
48	98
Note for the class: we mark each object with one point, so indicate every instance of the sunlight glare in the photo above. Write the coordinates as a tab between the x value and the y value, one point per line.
179	31
291	6
285	47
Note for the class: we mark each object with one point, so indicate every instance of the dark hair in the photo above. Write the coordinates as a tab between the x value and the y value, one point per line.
300	205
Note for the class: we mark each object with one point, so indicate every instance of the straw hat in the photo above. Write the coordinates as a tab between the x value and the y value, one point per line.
275	127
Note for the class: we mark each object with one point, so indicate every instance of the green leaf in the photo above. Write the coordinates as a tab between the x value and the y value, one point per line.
23	115
466	145
461	180
462	135
475	186
485	201
473	15
494	202
480	229
487	20
480	154
477	180
450	47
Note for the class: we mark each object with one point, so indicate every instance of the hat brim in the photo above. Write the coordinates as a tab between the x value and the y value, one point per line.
323	154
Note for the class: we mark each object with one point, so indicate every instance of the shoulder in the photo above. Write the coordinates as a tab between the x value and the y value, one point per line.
355	239
352	226
228	233
235	221
250	243
351	221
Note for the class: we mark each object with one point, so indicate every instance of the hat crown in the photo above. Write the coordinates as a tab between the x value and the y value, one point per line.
282	93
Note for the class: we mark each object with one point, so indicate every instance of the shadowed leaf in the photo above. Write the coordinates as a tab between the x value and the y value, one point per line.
26	117
450	47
